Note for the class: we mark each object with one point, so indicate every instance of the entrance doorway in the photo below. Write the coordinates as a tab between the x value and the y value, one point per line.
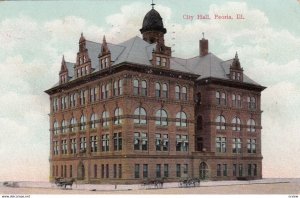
80	171
203	171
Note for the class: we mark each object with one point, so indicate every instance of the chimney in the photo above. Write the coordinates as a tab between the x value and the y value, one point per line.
203	46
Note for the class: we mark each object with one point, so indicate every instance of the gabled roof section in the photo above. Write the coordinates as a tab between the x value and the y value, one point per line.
206	66
93	51
70	67
136	51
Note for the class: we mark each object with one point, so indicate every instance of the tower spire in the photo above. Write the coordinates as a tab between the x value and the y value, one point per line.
152	4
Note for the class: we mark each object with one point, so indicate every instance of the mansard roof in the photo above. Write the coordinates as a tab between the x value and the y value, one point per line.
137	51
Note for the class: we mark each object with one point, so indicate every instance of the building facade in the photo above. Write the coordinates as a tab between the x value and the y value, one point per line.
126	112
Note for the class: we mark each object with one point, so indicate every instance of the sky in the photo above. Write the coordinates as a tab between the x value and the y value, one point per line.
34	35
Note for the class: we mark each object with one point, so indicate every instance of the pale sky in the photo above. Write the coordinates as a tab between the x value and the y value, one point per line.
35	34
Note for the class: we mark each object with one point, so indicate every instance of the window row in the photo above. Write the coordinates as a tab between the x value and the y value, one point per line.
235	124
221	145
161	170
140	87
221	99
104	169
83	96
140	142
140	117
237	170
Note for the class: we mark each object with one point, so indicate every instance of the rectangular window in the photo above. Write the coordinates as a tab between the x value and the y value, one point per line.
71	171
158	142
120	170
158	61
94	145
251	145
145	171
118	141
178	170
234	170
73	145
236	145
93	94
166	170
103	93
65	171
136	87
95	170
219	170
64	148
224	169
115	170
140	141
115	89
185	169
105	142
107	171
240	170
249	170
82	145
55	148
254	170
221	144
163	62
136	171
182	143
158	170
102	170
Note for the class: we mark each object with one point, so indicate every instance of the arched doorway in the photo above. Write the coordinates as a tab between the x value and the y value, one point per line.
203	171
80	171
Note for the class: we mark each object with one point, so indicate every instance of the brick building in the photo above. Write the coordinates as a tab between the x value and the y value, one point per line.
126	112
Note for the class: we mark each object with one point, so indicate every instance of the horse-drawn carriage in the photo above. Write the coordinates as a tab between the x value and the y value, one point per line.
189	182
153	183
64	182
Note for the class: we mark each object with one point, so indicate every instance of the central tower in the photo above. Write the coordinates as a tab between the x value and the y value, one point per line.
153	28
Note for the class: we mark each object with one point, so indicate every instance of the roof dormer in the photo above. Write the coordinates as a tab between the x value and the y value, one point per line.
83	62
236	71
64	73
161	56
105	55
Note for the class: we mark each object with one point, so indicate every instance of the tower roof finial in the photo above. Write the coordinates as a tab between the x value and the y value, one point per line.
152	4
203	35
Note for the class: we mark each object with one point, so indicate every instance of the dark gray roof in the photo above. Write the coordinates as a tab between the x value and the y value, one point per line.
206	66
138	51
70	67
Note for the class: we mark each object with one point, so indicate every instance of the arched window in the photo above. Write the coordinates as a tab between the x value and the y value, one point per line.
140	116
82	122
177	92
118	114
236	124
157	89
183	93
220	123
251	125
181	119
164	90
161	117
64	126
135	87
73	124
144	88
93	121
55	127
105	116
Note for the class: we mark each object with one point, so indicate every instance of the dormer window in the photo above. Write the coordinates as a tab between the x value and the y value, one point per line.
163	62
233	75
104	62
158	61
238	76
